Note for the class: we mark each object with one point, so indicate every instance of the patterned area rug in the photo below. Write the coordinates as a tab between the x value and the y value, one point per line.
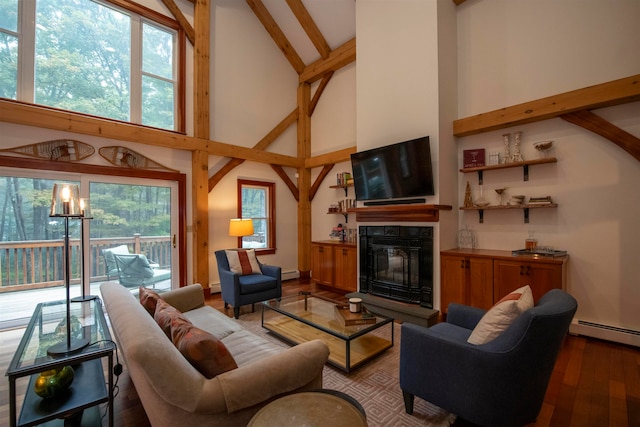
375	385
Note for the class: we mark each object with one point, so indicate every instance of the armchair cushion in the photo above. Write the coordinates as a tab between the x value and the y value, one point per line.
205	353
243	262
501	315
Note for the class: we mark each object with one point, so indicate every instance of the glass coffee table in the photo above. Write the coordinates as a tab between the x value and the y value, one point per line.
305	317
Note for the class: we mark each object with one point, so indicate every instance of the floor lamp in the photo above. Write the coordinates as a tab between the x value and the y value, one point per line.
85	215
64	204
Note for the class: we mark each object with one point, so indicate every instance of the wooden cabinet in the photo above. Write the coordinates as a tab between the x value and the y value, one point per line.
540	276
481	277
334	264
346	268
322	264
469	281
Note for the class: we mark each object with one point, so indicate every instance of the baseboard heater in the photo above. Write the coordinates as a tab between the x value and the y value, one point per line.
606	332
292	274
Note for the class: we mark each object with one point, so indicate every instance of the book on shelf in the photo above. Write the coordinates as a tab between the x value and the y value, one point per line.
344	178
540	200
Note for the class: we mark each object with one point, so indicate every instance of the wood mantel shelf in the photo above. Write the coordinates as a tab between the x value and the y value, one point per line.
400	213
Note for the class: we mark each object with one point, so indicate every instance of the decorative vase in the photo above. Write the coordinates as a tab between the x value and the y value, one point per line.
53	382
506	157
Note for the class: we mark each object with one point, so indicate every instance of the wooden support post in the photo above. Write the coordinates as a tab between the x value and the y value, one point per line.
304	181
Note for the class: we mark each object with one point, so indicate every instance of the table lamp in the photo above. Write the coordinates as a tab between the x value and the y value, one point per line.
240	227
65	204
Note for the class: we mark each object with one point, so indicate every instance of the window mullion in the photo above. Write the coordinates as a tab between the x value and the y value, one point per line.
136	70
26	51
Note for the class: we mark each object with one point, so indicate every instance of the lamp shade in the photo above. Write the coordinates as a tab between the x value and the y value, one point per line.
85	208
240	227
65	200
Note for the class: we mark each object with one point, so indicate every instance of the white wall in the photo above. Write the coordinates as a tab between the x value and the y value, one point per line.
399	80
253	88
521	50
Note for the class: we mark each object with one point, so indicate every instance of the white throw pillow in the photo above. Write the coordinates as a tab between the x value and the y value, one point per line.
243	262
501	315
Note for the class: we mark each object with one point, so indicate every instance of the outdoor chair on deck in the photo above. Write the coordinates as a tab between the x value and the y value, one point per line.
111	268
135	270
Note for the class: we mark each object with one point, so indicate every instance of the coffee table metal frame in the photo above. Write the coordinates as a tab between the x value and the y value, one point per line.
304	317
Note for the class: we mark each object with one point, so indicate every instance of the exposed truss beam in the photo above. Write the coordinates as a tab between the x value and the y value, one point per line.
276	34
599	96
318	93
316	184
337	59
310	27
182	20
598	125
285	178
261	145
338	156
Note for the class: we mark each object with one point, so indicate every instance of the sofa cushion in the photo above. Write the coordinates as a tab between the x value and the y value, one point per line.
207	354
164	314
148	299
243	262
501	315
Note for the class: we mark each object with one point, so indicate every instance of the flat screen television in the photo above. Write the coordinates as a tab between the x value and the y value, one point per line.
395	171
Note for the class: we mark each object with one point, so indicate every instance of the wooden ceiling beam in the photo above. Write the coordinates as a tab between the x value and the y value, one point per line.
276	34
600	126
287	181
50	118
316	96
337	59
182	20
261	145
309	26
338	156
316	184
599	96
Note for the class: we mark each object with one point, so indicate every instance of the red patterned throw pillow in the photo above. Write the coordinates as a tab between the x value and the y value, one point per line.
148	299
164	314
205	353
243	262
501	315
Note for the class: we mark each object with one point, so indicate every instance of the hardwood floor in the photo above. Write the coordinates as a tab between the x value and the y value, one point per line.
594	383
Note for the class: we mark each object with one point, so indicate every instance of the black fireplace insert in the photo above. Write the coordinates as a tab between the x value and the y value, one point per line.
396	262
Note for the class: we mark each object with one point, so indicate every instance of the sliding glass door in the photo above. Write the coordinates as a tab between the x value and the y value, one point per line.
133	216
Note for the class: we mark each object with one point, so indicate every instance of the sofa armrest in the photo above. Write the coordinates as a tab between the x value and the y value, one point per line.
186	298
464	316
278	374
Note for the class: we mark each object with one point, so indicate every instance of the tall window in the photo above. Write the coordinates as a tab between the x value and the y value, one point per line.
119	62
256	200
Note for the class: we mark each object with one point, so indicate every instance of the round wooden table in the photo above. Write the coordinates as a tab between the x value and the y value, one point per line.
312	409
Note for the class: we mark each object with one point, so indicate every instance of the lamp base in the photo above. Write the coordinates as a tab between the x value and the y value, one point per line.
63	348
84	298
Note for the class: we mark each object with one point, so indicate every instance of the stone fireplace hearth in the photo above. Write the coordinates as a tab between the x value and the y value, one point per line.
396	262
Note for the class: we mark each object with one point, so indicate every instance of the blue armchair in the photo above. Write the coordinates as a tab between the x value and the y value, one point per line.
500	383
240	290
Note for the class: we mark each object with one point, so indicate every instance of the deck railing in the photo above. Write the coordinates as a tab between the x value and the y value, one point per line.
39	263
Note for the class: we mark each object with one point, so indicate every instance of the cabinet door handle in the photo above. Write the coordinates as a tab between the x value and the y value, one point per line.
522	270
467	264
462	264
528	270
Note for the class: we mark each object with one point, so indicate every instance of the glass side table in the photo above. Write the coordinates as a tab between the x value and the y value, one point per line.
89	387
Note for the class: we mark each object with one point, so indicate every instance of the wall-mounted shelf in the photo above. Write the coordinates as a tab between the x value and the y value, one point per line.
525	209
345	214
345	186
524	165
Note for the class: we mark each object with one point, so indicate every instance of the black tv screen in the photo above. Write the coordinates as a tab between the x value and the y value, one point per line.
394	171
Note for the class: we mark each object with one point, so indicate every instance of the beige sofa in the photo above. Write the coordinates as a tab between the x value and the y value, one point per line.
174	393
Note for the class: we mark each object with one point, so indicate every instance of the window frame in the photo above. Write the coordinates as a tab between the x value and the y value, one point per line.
25	92
271	212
